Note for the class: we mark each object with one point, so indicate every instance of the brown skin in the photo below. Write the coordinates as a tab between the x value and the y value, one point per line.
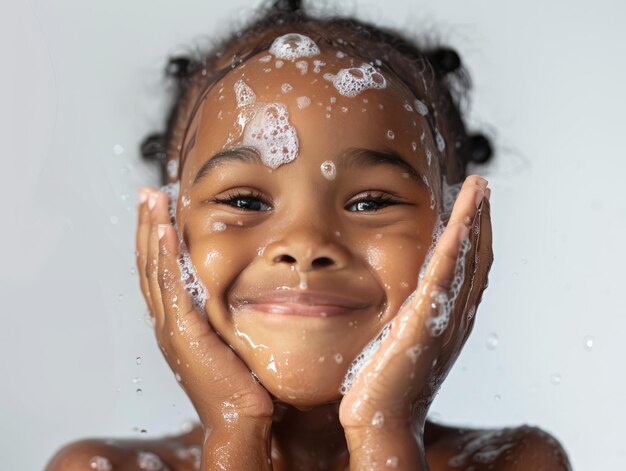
313	229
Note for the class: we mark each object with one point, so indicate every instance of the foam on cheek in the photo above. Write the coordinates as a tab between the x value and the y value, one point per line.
293	46
193	284
435	324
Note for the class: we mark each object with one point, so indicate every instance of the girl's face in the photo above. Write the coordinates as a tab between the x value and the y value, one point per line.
305	262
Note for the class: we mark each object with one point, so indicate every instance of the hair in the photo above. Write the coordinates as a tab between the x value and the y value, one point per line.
434	74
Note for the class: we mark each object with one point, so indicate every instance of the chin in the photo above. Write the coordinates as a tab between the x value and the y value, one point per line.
312	392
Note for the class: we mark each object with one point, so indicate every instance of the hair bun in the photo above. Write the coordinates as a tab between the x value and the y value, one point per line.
153	147
179	67
480	150
445	60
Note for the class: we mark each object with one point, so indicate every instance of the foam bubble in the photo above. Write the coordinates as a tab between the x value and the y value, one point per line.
172	168
350	82
421	107
363	358
328	170
192	282
441	144
218	226
244	94
149	461
302	66
273	135
286	87
193	452
303	101
390	135
292	46
317	66
100	463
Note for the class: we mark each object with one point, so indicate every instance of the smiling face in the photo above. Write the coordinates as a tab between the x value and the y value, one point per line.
311	222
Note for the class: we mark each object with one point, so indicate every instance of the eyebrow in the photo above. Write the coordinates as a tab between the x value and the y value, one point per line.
351	157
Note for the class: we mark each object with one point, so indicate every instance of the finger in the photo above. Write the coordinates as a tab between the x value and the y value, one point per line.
157	202
484	261
141	244
473	190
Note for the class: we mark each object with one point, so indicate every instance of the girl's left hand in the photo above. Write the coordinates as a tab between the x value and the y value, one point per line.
397	385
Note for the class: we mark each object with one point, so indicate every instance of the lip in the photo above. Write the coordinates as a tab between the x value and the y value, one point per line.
309	304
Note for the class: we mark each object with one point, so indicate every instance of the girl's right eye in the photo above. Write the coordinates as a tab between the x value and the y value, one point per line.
251	201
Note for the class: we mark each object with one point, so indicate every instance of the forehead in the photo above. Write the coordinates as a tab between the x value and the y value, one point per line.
332	98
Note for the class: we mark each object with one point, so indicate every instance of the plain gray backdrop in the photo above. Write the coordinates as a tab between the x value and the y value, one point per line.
82	84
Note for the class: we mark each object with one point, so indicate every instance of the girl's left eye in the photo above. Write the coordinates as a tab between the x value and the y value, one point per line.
372	202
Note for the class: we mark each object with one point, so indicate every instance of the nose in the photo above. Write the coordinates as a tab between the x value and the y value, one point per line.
307	250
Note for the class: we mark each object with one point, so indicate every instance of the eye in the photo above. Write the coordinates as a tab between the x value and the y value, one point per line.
247	201
372	202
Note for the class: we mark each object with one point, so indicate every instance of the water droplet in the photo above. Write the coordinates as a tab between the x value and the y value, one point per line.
139	391
492	341
555	379
497	397
114	220
378	420
120	297
589	343
136	380
390	134
133	271
339	358
138	360
118	149
392	462
178	378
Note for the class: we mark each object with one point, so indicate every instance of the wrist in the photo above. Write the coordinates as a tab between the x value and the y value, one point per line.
395	447
242	444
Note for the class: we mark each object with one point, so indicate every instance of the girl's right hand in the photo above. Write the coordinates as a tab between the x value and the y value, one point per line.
218	382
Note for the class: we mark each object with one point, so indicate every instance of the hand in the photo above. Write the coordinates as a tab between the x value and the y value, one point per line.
216	380
397	385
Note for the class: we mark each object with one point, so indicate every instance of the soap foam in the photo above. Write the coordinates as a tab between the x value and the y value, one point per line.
292	46
363	358
350	82
244	94
192	282
271	133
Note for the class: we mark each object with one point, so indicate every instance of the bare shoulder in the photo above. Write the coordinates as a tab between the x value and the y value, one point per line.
523	448
173	453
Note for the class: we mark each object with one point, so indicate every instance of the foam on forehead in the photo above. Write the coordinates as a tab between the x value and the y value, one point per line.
292	46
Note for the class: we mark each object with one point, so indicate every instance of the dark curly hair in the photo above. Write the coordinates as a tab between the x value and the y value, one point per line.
434	74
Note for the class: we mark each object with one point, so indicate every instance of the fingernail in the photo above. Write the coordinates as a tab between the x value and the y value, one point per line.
143	195
152	199
161	230
488	193
479	197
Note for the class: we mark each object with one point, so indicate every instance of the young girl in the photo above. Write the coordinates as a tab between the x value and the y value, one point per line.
315	263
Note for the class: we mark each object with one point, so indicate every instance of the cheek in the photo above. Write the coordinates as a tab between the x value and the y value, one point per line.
397	262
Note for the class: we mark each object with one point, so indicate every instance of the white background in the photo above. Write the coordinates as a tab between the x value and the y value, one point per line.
79	78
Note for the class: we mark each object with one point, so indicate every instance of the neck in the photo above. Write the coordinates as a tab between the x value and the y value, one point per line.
306	436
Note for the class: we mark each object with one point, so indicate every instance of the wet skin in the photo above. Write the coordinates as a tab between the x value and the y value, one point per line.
310	223
335	235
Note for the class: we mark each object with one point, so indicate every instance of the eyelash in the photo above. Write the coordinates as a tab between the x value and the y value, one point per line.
233	196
